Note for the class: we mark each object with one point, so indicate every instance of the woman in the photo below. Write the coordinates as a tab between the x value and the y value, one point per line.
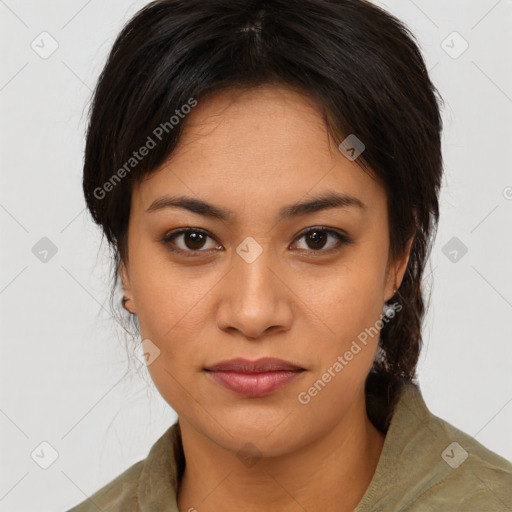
267	174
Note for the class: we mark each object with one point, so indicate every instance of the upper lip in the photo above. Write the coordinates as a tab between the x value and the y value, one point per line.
265	364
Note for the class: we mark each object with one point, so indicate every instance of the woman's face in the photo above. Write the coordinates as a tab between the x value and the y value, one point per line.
255	285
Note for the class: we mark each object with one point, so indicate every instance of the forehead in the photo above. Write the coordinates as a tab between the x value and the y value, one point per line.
265	145
243	118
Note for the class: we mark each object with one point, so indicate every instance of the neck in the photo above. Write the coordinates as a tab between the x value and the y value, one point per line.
330	474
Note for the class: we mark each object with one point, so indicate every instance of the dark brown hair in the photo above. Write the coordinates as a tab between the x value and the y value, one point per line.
359	64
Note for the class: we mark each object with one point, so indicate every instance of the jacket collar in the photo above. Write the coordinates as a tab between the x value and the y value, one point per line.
158	481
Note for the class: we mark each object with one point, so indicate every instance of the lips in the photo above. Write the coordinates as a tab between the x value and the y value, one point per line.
254	378
263	365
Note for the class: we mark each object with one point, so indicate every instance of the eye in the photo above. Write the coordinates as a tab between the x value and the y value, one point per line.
190	241
317	237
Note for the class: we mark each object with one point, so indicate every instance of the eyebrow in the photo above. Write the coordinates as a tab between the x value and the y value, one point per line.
318	202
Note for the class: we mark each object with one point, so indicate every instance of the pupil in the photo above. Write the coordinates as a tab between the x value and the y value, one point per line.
318	240
194	240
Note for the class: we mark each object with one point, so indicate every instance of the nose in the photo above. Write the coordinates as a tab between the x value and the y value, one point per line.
254	299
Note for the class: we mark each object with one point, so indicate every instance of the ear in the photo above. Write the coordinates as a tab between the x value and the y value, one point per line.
396	270
127	288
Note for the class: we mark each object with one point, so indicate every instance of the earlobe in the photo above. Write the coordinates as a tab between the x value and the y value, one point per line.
399	268
403	261
127	300
124	300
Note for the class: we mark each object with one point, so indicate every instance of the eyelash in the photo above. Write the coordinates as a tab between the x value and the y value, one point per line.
343	239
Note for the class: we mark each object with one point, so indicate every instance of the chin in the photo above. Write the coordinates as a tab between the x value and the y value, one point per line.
264	437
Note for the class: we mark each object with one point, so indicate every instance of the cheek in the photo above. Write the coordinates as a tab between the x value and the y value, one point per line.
168	296
172	315
351	308
350	297
349	305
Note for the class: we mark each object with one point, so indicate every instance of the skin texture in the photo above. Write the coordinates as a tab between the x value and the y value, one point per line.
254	152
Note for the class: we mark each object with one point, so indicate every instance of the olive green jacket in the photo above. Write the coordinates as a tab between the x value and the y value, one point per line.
426	465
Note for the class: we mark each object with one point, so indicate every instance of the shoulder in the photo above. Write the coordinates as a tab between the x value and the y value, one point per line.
118	495
467	476
149	484
428	464
454	471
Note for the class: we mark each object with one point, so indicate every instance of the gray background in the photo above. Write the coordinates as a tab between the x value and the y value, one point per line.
63	368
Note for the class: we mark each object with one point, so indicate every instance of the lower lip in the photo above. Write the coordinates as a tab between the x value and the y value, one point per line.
254	384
